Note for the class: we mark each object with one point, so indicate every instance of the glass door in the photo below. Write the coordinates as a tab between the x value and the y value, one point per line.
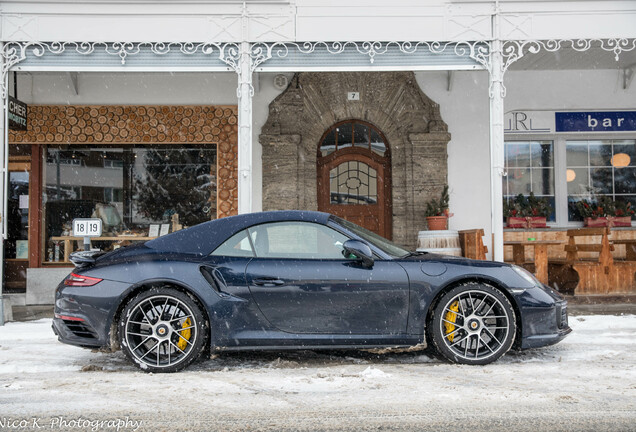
16	246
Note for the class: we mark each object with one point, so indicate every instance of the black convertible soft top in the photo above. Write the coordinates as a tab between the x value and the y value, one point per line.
202	239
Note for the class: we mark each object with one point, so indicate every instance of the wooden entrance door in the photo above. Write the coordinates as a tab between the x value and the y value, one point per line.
354	176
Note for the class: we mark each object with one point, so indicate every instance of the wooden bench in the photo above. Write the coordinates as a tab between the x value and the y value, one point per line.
600	274
472	244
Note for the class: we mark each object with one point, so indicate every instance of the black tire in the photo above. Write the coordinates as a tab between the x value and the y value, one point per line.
163	330
472	324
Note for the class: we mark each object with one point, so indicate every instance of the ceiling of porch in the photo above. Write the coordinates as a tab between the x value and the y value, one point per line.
569	59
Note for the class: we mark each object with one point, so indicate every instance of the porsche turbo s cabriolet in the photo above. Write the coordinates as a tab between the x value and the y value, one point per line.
297	280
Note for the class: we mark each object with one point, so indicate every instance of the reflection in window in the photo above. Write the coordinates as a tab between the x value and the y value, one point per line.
353	134
530	168
129	188
353	182
602	167
236	246
297	240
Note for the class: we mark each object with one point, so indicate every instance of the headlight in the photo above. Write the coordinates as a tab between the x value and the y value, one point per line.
526	276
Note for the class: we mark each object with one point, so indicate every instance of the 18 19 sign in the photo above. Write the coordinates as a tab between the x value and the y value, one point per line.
87	227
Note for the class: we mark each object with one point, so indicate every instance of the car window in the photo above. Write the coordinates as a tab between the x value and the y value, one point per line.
236	246
297	240
381	243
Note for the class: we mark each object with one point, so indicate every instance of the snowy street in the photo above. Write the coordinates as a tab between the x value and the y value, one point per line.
587	382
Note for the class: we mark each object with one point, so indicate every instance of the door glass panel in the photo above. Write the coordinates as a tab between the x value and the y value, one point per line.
17	243
297	240
353	182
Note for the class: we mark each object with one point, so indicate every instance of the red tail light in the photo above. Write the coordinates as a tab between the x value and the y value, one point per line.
83	281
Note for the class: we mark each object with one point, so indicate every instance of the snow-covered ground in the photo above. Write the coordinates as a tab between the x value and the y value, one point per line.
587	382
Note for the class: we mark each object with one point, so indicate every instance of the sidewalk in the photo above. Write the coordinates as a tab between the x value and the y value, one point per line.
577	305
602	304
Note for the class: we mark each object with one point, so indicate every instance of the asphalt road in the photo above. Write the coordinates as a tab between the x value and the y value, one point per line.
585	383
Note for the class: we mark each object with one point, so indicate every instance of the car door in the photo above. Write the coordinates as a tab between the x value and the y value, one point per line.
302	283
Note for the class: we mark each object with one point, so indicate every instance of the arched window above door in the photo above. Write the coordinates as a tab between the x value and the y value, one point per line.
353	133
354	175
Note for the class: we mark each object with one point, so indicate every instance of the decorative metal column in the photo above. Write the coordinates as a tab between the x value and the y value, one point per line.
245	92
3	164
496	93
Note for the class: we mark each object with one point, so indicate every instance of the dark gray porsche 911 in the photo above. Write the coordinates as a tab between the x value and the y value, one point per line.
297	280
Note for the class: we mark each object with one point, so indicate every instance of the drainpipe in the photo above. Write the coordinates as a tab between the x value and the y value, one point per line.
497	172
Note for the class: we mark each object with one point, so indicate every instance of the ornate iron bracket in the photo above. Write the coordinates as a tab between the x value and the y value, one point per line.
16	52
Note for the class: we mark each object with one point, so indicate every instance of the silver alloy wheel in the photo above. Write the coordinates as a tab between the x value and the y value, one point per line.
475	325
161	331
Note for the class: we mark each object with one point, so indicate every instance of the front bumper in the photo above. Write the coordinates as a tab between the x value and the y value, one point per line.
83	315
544	318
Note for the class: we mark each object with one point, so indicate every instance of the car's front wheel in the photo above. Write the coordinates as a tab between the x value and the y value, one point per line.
162	330
473	324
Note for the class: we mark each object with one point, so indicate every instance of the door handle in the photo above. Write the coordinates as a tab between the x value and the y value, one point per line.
268	282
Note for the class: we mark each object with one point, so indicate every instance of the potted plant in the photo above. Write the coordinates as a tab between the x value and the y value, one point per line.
437	212
602	211
527	212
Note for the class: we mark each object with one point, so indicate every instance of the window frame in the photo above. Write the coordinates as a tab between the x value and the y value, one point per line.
526	138
560	165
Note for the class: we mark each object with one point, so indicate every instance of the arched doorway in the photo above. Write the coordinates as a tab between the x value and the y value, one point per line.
354	175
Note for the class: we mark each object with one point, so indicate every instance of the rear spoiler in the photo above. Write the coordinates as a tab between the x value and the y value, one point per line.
85	258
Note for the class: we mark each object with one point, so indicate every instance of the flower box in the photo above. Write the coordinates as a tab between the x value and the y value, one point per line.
611	221
527	222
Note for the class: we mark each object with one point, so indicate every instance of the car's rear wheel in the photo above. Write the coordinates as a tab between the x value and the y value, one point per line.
473	324
162	330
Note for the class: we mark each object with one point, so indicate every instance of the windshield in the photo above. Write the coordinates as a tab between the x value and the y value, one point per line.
381	243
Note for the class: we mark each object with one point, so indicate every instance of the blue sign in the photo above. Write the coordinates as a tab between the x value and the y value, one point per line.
595	121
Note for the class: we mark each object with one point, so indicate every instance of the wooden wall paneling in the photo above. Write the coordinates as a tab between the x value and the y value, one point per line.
35	208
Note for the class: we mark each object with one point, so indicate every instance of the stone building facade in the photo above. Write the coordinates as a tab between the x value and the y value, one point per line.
392	102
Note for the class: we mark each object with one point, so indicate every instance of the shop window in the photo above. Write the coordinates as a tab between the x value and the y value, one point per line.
600	167
530	168
132	189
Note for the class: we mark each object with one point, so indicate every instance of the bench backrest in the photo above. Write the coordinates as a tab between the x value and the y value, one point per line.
472	244
603	248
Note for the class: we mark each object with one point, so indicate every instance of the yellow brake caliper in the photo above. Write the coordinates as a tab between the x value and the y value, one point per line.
186	334
450	317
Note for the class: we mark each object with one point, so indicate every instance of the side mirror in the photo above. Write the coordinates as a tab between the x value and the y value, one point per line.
358	250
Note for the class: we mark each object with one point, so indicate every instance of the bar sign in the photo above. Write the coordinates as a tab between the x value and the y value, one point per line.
595	121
